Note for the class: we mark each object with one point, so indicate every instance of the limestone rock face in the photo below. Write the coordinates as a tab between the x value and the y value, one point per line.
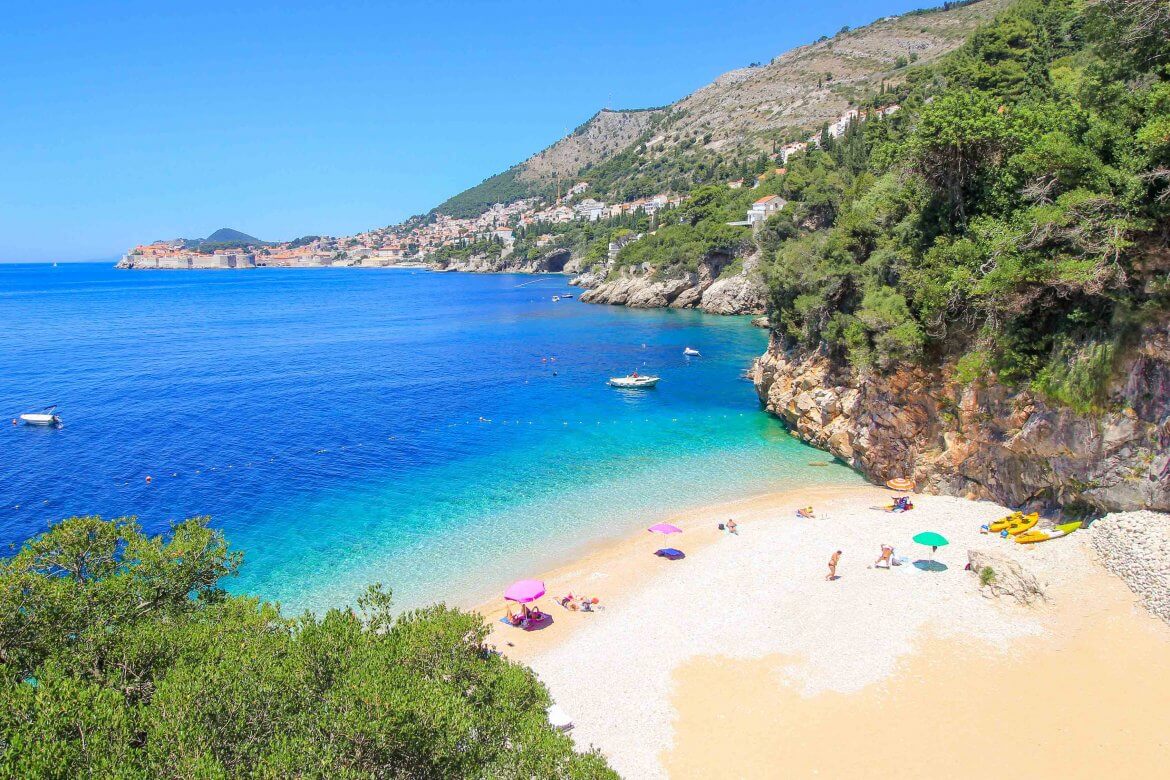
1007	577
706	289
984	440
555	261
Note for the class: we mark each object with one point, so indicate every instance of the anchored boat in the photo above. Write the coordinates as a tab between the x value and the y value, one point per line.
46	417
689	352
633	382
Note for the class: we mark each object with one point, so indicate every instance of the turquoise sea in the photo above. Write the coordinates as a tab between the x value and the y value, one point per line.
441	433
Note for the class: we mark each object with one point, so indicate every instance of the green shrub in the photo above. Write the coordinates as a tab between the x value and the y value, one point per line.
122	657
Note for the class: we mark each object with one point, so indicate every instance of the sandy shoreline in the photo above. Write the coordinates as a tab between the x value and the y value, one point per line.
716	665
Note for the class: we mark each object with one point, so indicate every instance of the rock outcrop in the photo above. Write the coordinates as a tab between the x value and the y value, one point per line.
708	288
984	440
507	263
1001	576
1136	547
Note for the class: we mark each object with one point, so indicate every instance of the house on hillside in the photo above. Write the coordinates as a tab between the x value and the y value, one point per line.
735	184
590	209
787	150
764	208
504	233
655	203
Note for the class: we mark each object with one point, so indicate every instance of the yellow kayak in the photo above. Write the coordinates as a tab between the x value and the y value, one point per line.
1023	524
1031	537
1004	522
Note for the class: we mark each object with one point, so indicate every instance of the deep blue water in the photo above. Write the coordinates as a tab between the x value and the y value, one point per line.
330	420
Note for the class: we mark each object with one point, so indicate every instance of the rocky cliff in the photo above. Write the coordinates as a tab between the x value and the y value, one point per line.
708	288
555	261
984	440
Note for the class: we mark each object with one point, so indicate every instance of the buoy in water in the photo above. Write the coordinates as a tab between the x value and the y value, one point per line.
148	478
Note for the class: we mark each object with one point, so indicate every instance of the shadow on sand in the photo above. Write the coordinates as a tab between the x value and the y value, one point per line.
925	565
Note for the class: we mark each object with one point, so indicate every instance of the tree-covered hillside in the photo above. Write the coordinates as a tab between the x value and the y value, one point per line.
1014	217
120	656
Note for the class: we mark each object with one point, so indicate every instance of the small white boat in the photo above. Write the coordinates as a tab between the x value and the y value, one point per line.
556	298
689	352
567	295
633	381
46	417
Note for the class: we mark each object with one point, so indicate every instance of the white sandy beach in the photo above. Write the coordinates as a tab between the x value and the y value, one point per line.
694	646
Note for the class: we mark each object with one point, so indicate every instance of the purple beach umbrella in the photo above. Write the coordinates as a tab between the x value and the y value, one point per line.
664	528
524	591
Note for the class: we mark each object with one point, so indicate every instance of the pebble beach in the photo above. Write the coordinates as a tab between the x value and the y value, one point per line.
757	606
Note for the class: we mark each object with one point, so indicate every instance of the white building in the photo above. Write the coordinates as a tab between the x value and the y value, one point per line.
590	209
787	150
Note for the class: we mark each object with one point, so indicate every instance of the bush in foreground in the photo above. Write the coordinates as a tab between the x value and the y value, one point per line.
120	656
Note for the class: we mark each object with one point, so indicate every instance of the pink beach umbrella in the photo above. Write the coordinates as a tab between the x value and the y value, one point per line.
664	529
524	591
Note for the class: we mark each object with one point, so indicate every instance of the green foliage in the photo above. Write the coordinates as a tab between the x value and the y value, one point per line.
986	576
1003	218
502	188
120	656
1077	375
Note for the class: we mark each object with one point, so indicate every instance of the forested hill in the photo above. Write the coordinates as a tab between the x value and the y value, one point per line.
711	134
977	285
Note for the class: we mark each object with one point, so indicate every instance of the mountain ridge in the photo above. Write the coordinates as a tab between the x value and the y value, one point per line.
742	113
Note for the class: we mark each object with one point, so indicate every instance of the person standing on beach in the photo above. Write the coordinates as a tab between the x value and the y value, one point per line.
833	566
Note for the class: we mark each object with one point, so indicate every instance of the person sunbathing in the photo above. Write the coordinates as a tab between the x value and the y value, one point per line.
731	527
513	618
886	557
805	511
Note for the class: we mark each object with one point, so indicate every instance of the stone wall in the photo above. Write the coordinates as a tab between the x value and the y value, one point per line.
1136	547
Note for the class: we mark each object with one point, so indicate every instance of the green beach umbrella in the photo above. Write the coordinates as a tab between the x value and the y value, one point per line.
932	540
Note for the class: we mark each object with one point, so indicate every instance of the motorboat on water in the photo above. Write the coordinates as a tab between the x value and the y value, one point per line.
633	382
556	298
567	295
48	416
691	352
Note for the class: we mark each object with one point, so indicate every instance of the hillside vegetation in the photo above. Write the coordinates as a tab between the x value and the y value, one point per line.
1014	217
120	656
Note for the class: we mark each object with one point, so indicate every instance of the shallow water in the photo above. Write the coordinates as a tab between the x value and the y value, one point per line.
346	426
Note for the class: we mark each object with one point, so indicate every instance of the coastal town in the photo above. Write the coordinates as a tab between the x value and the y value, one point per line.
416	241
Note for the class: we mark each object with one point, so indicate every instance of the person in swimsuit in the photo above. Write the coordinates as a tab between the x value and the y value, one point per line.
887	554
731	526
833	566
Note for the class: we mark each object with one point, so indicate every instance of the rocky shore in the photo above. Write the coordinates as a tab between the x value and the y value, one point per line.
708	288
1136	547
984	440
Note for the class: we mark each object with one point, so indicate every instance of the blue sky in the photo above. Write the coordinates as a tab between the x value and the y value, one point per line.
128	122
